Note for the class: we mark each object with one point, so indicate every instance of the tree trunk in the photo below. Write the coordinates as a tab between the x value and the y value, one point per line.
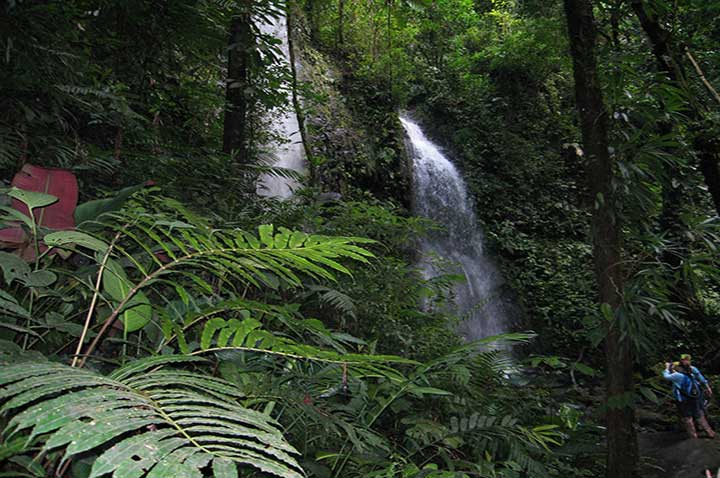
236	108
297	104
670	63
622	453
708	152
313	20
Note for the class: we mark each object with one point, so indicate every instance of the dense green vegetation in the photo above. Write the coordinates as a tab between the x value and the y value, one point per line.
176	323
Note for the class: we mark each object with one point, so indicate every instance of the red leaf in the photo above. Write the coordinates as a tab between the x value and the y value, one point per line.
59	215
12	236
60	183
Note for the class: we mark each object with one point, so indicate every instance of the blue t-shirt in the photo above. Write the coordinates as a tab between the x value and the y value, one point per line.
684	383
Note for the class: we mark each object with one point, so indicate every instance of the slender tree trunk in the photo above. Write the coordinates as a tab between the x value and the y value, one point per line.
313	20
622	454
670	63
708	151
296	101
236	108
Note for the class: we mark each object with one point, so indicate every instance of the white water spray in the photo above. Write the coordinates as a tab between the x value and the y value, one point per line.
440	194
289	154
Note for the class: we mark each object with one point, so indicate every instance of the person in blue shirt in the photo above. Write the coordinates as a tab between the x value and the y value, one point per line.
689	388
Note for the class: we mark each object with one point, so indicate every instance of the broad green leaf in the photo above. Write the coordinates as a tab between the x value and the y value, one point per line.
32	199
40	278
116	284
115	281
139	316
147	421
92	210
584	369
13	267
68	238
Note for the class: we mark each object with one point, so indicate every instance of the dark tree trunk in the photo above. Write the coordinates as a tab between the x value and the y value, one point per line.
313	20
708	151
669	62
622	453
236	108
297	104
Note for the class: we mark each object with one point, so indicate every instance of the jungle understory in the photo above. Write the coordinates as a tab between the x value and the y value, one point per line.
359	239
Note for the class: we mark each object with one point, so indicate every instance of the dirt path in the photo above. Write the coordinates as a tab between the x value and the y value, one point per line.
676	456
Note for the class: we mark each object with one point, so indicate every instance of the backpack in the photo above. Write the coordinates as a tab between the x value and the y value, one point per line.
694	389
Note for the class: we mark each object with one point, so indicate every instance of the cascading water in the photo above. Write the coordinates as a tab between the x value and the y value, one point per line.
284	124
440	194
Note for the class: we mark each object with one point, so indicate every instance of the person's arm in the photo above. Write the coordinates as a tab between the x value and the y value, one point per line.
674	377
703	380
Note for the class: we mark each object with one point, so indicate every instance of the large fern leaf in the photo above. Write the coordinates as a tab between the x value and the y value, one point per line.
143	420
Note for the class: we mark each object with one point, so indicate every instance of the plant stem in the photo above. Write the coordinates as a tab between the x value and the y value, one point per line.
93	302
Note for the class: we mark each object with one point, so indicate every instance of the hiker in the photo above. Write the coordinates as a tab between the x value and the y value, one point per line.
688	393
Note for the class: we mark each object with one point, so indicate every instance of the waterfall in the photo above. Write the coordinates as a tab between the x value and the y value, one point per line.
284	124
440	194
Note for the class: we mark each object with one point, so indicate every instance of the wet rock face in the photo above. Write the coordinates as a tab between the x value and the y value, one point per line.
673	455
355	144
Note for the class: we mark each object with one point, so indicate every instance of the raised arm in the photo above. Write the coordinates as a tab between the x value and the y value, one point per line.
674	377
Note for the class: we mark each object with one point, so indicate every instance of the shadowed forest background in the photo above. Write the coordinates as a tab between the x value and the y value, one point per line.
219	229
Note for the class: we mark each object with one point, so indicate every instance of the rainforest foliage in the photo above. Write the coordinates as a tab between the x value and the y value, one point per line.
160	318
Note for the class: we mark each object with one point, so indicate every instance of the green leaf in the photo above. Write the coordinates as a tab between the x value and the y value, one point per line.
16	328
139	316
12	447
92	210
32	199
224	468
266	235
211	326
115	281
584	369
40	278
649	395
15	215
429	391
147	421
10	305
116	284
64	239
13	267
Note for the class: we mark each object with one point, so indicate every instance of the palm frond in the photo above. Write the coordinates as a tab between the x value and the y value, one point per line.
143	420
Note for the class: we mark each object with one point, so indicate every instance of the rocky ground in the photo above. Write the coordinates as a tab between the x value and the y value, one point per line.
672	455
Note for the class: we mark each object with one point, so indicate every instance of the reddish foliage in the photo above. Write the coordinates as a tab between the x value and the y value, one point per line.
59	215
60	183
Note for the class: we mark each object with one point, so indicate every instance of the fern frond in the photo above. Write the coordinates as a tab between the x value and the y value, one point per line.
160	421
334	298
238	255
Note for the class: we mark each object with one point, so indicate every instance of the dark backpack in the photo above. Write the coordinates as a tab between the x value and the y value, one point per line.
694	391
